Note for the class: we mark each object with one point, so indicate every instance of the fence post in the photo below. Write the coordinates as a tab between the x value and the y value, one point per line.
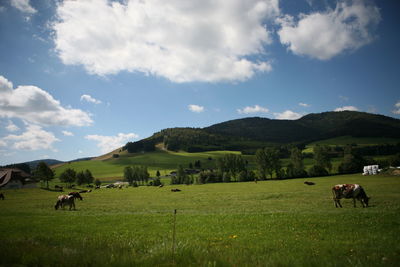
173	238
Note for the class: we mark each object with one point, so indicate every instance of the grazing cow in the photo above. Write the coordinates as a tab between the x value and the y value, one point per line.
175	190
76	195
65	200
85	191
353	191
309	183
1	196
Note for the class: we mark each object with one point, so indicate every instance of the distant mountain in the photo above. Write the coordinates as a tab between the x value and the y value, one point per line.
32	164
311	127
255	132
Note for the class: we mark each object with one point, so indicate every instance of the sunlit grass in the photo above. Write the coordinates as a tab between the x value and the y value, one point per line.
242	224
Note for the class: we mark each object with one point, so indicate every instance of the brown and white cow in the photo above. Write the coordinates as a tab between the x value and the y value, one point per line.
65	200
353	191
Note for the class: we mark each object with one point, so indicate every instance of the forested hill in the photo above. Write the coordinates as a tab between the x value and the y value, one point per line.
251	133
311	127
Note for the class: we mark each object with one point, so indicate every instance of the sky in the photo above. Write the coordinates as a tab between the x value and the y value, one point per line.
82	78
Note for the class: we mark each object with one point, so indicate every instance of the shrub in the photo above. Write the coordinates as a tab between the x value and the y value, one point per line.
317	170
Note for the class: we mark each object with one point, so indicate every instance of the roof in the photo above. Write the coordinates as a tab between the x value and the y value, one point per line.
7	174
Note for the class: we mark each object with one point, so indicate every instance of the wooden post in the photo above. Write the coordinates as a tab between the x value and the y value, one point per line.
173	238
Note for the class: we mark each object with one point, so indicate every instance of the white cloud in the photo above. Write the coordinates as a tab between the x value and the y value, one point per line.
110	143
3	143
36	106
183	41
397	108
255	109
323	35
349	108
34	138
196	108
344	98
288	115
23	6
90	99
11	127
67	133
304	105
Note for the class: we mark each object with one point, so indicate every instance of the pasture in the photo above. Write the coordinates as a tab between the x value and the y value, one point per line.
269	223
164	161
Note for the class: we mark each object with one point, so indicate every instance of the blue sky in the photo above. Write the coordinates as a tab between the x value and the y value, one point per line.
81	78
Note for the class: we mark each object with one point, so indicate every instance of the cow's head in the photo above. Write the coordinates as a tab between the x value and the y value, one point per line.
366	200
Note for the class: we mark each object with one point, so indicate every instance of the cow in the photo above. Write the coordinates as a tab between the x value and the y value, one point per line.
76	195
65	200
175	190
353	191
309	183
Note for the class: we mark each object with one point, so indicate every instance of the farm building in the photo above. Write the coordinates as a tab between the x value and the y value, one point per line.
15	178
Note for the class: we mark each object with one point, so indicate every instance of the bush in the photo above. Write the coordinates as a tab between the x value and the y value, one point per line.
317	170
157	182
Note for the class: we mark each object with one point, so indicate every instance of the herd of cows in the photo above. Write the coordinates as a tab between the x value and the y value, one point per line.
339	191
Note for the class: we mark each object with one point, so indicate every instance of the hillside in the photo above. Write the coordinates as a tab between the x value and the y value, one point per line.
252	133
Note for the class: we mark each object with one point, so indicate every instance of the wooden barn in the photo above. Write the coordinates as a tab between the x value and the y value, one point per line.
15	178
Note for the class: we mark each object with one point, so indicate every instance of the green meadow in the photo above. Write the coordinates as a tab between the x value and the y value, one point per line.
164	161
269	223
112	169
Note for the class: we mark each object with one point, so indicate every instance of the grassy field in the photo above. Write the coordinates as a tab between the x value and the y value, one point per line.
164	161
271	223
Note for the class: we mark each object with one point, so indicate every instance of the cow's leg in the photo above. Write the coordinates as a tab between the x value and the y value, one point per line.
354	202
337	203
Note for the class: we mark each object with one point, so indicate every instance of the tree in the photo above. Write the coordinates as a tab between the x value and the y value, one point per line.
317	170
232	163
68	176
296	167
261	161
321	157
352	162
395	160
80	178
88	177
44	173
158	174
128	174
268	162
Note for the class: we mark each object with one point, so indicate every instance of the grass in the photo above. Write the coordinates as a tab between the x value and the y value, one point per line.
276	223
164	161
